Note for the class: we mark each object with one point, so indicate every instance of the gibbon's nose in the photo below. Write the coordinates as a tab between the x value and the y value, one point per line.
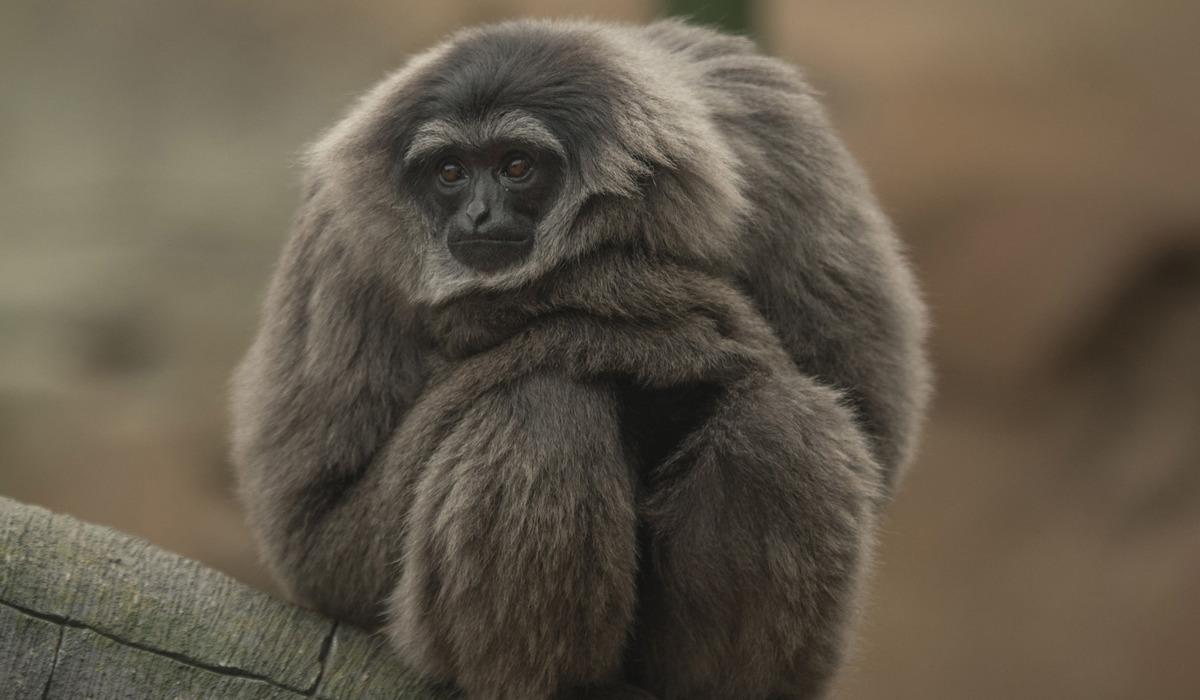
477	211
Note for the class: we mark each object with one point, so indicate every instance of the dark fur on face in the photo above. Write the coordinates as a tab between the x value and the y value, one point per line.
643	455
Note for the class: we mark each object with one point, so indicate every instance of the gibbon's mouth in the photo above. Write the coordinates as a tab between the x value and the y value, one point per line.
488	254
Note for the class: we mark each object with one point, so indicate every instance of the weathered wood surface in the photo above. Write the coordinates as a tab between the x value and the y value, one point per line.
88	612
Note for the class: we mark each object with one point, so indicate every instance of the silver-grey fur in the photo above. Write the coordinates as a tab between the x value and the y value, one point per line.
647	461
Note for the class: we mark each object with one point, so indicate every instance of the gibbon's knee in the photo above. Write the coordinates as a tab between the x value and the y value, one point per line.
520	558
773	498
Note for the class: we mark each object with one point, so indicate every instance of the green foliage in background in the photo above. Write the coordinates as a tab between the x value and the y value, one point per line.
731	15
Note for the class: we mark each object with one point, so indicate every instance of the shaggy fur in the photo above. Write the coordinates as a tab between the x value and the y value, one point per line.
647	461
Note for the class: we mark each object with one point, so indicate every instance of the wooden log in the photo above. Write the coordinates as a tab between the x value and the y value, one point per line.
89	612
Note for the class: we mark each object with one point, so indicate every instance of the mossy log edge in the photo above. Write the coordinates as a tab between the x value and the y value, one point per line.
89	612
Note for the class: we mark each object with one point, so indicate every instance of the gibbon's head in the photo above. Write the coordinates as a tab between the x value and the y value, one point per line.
510	149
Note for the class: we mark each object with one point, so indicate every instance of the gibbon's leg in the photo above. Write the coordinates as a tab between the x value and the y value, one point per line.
758	527
520	557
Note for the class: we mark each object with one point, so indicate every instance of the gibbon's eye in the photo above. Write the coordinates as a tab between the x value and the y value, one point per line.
517	168
451	172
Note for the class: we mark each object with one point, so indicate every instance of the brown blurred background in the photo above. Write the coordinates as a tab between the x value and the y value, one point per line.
1041	158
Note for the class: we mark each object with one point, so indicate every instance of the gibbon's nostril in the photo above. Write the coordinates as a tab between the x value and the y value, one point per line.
477	212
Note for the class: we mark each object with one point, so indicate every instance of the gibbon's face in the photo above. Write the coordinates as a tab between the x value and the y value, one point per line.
490	200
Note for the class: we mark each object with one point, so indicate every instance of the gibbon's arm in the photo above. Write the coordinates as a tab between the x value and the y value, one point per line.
334	369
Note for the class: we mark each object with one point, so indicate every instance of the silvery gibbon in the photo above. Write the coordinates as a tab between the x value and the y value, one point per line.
586	369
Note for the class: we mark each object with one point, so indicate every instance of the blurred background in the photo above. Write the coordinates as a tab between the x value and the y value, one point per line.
1040	157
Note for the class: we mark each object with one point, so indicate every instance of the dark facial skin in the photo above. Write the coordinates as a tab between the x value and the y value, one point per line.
492	200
